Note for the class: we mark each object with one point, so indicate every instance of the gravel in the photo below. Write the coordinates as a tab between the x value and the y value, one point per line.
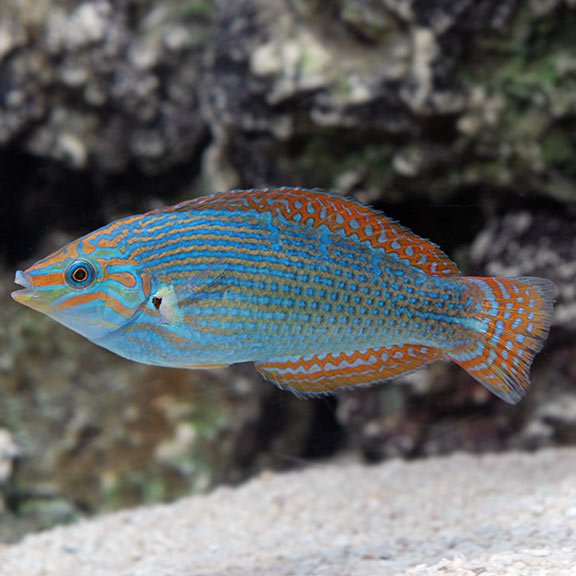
510	514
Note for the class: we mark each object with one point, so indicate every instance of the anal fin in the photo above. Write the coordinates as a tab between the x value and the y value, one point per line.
327	373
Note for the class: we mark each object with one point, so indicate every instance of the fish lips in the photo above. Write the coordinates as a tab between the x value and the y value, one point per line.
27	295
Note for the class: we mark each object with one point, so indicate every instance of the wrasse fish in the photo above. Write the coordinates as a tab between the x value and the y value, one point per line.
320	291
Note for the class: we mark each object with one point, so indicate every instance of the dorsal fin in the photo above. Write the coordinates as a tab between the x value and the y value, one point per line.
326	373
343	215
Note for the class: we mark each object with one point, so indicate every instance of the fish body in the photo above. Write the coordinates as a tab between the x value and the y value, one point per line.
321	292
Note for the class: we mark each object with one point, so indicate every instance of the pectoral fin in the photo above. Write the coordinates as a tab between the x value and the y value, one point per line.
165	301
172	301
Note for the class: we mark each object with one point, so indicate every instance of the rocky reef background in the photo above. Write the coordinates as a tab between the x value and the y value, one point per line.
456	117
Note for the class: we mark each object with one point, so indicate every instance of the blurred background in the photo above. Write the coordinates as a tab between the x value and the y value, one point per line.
456	117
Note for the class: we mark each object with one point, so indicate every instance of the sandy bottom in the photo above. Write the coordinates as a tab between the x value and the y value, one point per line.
513	514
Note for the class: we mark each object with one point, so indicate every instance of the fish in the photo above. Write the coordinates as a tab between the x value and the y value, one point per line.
319	291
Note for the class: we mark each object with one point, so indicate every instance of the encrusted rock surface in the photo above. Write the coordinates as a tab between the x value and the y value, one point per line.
394	98
412	97
104	84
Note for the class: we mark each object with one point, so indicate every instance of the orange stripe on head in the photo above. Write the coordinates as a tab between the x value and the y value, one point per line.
118	224
90	297
118	262
69	252
50	279
146	286
123	278
114	241
118	307
105	243
87	247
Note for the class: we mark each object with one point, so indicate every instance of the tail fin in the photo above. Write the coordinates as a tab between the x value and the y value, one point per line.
515	316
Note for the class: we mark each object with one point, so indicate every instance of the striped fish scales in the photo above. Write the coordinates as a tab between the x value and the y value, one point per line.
321	292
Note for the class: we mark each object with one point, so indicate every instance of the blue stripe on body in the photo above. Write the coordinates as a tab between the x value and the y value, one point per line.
352	269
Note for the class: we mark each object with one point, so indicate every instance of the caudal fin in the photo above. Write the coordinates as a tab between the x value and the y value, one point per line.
515	316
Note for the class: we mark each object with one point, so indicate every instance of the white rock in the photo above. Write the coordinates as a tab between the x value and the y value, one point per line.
456	516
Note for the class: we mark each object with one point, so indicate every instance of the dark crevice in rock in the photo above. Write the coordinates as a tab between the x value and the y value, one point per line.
451	224
326	435
41	195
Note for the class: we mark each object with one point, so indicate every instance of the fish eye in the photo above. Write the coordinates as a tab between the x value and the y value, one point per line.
80	274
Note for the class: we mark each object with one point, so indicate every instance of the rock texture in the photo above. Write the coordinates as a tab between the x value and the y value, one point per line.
380	94
394	98
538	243
103	84
465	516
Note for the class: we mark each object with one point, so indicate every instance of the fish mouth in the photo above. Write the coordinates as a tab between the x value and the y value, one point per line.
26	295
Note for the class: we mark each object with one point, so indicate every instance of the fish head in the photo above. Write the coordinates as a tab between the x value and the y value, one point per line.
90	288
